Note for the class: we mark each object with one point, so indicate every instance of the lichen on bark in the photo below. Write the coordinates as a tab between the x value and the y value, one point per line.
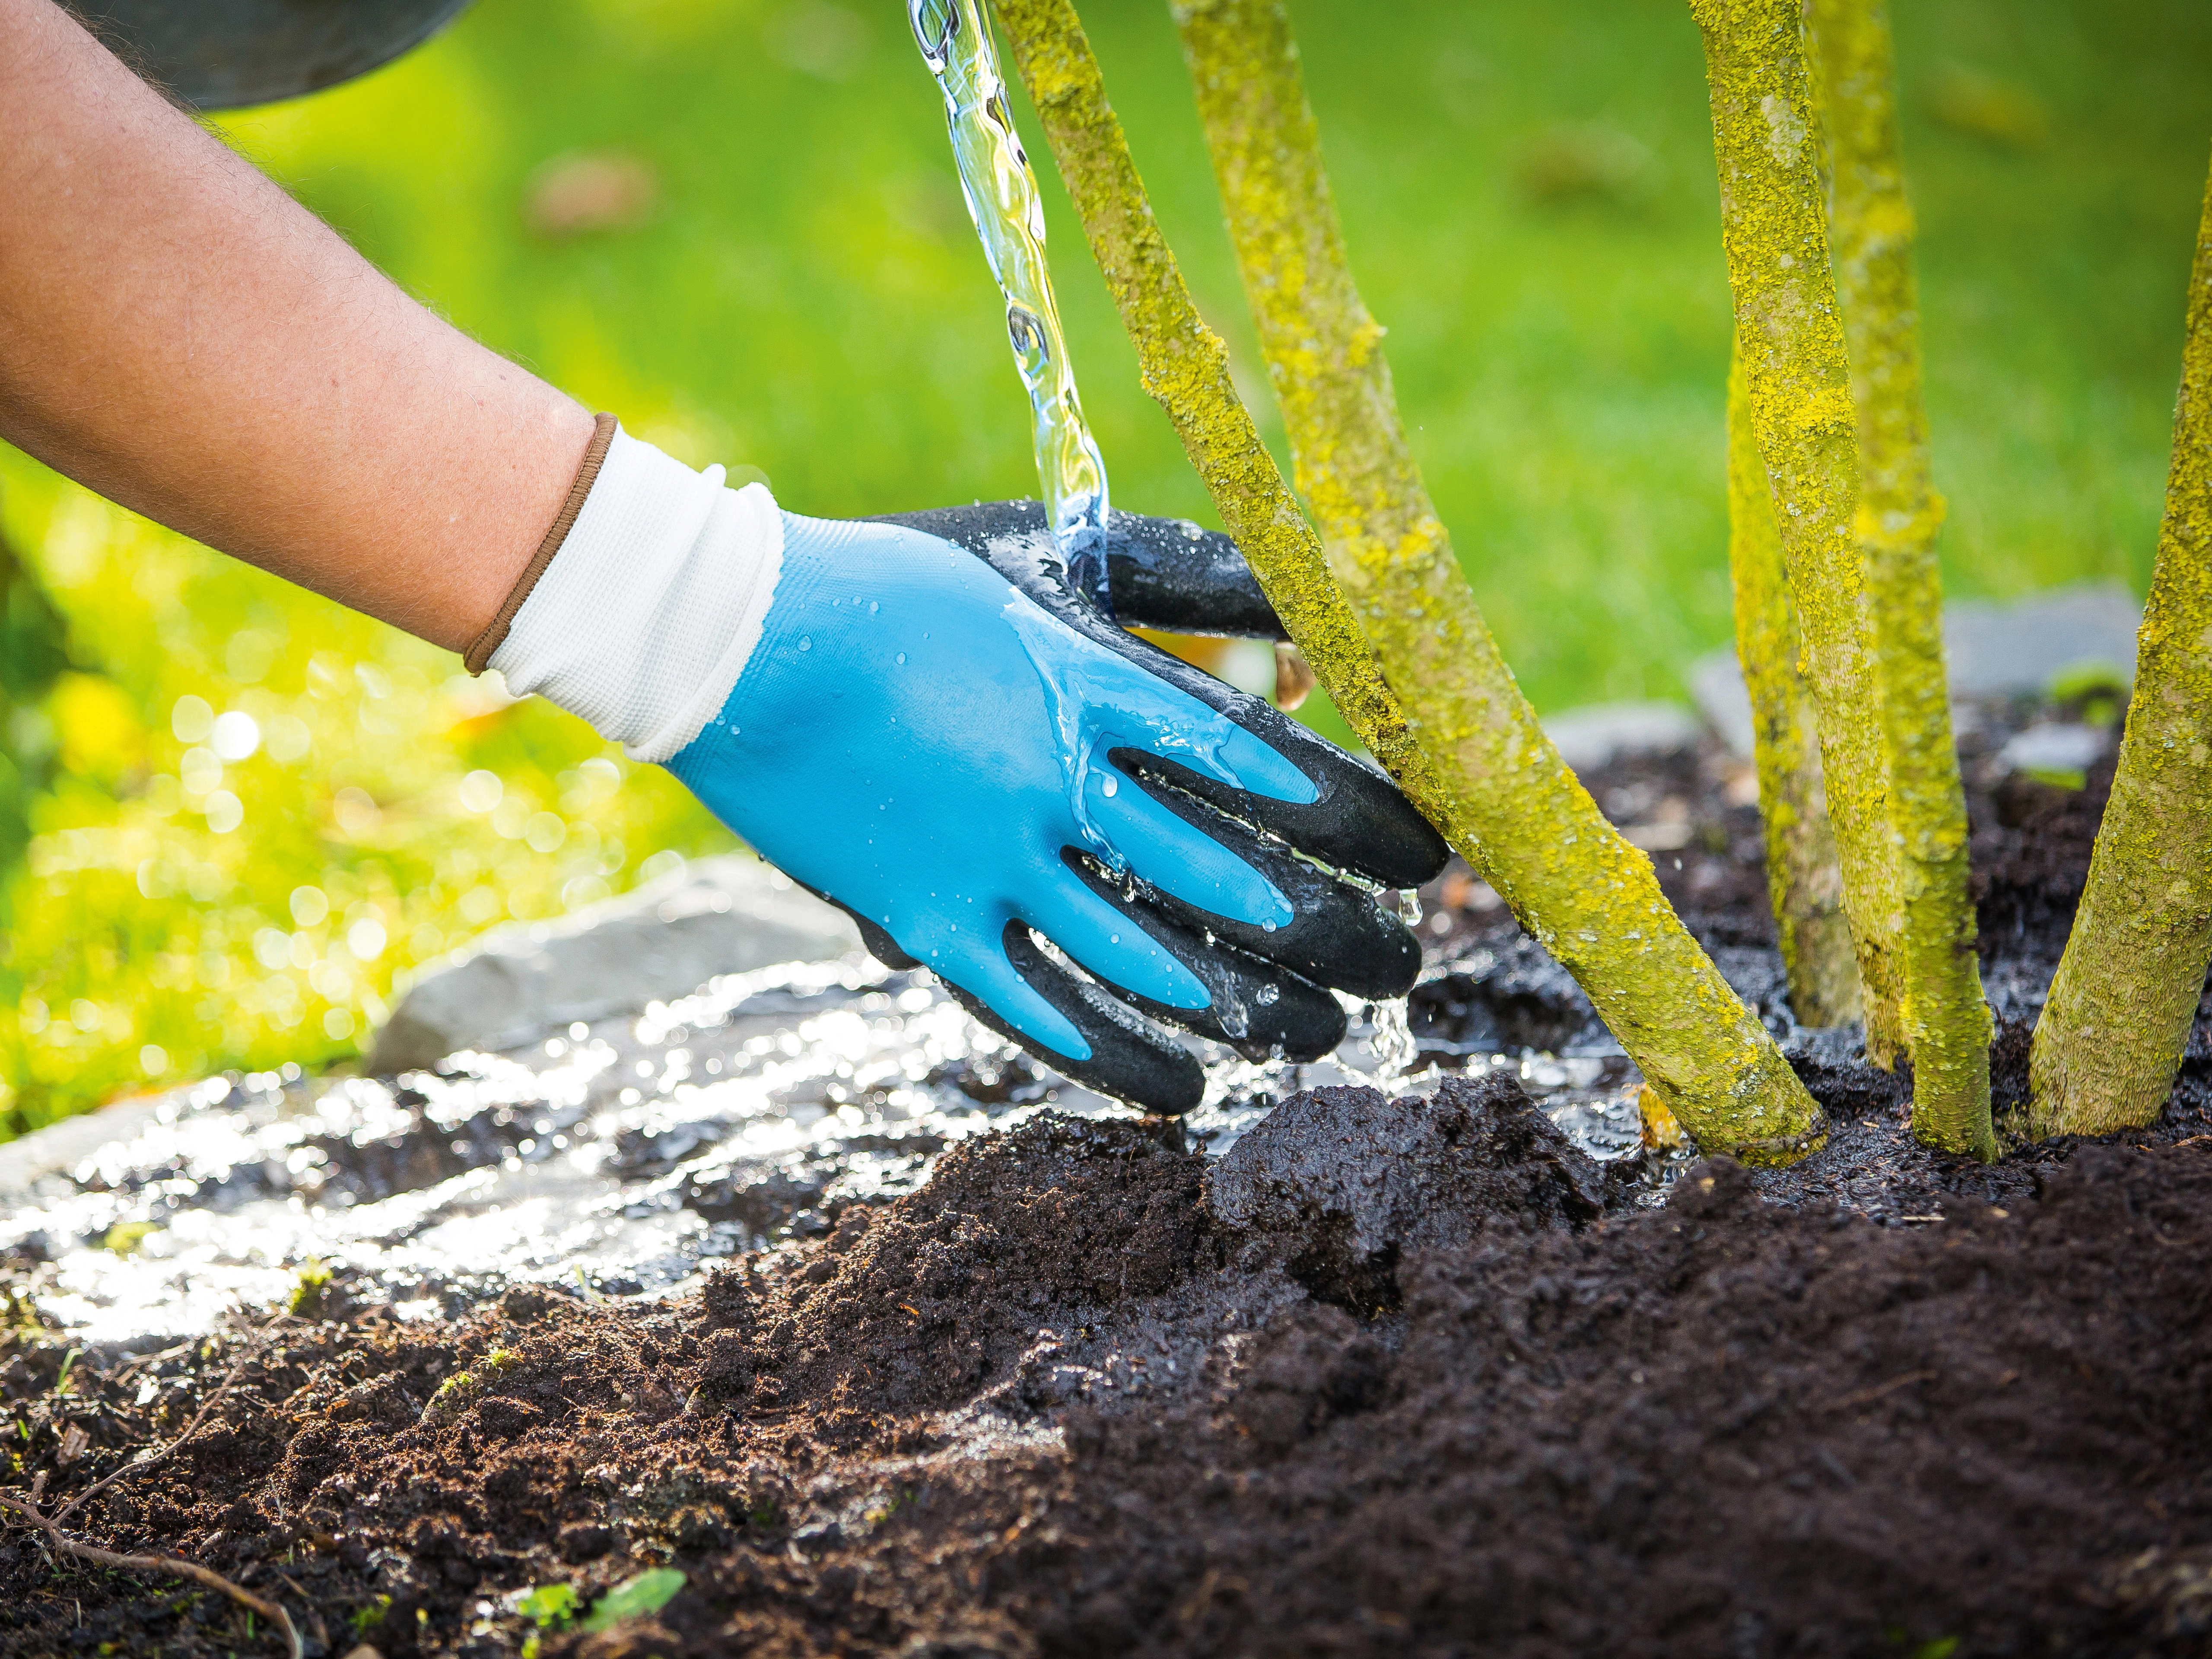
1945	1020
2126	994
1520	815
1803	878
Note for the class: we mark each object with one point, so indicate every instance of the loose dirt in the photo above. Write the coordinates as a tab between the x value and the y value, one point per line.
1408	1375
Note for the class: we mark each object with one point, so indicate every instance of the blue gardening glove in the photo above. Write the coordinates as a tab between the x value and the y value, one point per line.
1085	838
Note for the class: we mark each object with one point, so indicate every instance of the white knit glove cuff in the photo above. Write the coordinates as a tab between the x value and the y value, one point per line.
643	621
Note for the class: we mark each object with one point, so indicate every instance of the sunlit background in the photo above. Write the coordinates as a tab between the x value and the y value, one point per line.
734	223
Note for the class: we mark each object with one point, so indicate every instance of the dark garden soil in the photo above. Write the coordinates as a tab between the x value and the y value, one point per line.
1407	1376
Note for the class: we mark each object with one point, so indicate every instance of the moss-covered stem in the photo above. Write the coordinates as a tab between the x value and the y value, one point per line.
1774	231
1520	818
1946	1019
1802	877
2126	994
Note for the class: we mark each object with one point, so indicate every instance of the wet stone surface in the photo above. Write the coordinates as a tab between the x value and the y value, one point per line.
618	1155
622	1155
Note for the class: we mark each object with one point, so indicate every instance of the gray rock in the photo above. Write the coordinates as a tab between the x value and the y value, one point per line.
1995	649
721	915
1716	685
1591	736
1991	648
2060	746
59	1148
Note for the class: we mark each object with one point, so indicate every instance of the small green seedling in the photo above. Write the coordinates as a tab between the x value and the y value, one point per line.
368	1617
458	1391
634	1598
548	1604
2100	688
69	1364
308	1289
20	1314
884	1511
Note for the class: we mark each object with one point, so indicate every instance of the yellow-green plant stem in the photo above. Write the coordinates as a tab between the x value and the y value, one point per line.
1774	231
1802	877
1522	818
2126	994
1947	1021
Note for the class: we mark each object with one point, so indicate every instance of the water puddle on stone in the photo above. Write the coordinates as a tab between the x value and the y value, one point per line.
616	1158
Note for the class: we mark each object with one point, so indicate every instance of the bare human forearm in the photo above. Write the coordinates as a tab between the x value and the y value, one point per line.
180	335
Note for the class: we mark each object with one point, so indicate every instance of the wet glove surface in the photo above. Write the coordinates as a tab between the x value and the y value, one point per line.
936	735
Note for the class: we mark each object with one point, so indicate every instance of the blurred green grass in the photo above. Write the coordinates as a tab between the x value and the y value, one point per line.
1529	195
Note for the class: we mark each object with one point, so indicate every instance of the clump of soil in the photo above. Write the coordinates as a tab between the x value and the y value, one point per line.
1391	1377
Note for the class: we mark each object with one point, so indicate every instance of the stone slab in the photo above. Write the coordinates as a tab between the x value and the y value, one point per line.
1991	648
721	915
1591	737
2059	746
60	1147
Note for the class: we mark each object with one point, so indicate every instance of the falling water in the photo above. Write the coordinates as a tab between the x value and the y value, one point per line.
1392	1041
1009	217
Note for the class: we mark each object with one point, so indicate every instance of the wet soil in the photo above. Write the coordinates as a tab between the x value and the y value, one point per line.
1389	1376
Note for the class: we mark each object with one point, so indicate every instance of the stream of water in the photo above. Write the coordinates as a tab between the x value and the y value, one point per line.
1008	214
1009	218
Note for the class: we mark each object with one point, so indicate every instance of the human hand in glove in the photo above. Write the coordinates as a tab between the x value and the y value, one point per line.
1085	837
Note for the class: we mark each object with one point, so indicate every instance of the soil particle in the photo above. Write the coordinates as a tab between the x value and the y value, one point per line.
1338	1183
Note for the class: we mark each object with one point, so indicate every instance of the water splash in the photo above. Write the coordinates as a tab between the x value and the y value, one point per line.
1002	198
1392	1041
638	1149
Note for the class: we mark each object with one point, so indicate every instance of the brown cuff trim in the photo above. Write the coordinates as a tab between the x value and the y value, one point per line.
478	654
